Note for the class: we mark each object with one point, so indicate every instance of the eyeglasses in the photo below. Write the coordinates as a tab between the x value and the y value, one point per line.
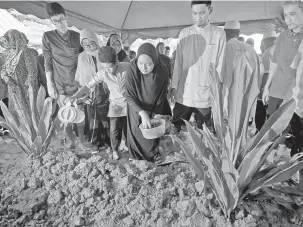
55	22
89	45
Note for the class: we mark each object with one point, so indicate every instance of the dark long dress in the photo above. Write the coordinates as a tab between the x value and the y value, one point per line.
145	92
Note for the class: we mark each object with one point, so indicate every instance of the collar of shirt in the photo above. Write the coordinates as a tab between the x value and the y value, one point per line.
293	33
65	35
206	28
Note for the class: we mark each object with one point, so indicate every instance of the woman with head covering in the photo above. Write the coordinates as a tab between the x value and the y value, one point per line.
165	59
146	94
97	108
20	71
115	42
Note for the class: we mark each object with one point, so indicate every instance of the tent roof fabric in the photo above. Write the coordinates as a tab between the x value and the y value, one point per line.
154	19
9	22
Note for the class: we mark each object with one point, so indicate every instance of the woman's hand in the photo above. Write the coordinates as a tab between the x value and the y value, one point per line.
145	119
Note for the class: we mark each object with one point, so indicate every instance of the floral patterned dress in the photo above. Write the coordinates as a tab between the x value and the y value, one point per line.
25	74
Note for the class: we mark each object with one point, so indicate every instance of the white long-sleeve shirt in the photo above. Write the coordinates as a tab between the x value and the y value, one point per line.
116	85
197	48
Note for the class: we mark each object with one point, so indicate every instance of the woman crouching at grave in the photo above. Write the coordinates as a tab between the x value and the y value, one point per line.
113	73
146	94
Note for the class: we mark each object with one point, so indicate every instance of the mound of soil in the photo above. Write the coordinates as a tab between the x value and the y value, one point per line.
64	190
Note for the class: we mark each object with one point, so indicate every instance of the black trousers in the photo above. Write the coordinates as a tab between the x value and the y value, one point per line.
202	115
295	143
296	124
261	114
118	127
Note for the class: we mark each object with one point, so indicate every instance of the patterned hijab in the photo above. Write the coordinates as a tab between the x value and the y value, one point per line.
16	43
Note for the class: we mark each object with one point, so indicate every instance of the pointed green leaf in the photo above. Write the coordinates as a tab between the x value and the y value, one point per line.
23	115
45	118
221	193
194	162
228	167
210	140
196	141
217	100
51	134
40	100
286	170
273	127
14	125
34	112
233	191
38	144
291	190
250	165
243	87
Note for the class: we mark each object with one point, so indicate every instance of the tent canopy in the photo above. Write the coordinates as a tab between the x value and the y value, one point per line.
153	19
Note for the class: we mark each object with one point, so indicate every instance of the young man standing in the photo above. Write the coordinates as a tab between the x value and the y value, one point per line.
199	46
282	79
267	48
61	48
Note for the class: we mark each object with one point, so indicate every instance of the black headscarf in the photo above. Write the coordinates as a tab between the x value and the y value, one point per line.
151	51
121	55
148	90
148	93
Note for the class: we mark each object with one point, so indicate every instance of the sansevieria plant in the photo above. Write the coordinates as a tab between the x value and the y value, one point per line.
33	133
232	163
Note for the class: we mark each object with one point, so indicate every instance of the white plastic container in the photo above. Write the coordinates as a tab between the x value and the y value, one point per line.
154	132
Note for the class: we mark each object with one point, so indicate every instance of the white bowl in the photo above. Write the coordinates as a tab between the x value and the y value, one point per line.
154	133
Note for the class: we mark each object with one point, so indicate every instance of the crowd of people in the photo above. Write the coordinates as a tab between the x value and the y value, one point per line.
119	91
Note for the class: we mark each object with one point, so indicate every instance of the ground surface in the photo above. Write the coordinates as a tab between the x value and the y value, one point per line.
72	188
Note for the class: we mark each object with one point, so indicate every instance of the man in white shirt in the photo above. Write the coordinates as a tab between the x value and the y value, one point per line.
199	46
241	61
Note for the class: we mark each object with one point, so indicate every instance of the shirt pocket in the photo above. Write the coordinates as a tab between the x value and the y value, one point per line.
202	94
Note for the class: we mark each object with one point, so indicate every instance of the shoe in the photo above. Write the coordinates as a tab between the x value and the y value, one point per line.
174	130
115	155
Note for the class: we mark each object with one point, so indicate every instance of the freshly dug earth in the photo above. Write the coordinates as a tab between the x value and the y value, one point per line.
65	190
